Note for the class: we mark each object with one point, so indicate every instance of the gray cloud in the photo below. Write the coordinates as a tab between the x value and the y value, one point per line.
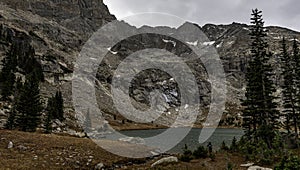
275	12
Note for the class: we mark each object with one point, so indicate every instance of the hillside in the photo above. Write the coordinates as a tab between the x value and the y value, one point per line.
40	151
57	30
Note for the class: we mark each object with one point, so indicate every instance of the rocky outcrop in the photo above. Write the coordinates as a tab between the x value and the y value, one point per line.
258	168
81	16
57	30
232	43
167	160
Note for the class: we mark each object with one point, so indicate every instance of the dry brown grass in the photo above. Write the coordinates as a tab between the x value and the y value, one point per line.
52	151
49	151
220	163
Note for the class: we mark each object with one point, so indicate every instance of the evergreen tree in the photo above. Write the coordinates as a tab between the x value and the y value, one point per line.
49	115
10	124
296	84
11	121
48	123
31	66
260	109
56	106
54	111
234	145
7	75
59	104
29	105
288	87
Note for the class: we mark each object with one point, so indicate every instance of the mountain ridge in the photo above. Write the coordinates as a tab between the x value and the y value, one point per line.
58	34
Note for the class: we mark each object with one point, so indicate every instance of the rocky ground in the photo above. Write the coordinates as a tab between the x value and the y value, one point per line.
20	150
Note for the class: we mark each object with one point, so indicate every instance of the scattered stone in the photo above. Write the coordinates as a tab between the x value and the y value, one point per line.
58	129
22	148
258	168
77	164
74	133
154	153
247	165
35	157
171	159
2	113
99	166
10	145
80	134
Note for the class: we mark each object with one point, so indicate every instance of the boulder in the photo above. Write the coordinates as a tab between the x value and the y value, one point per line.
99	166
247	165
10	145
171	159
258	168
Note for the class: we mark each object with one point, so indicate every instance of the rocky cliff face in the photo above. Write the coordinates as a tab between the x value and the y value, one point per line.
57	30
232	43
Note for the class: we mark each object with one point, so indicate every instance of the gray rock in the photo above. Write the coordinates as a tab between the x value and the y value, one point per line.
171	159
35	157
10	145
74	133
22	148
258	168
2	113
99	166
247	165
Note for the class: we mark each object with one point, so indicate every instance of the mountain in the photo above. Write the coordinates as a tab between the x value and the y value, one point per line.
57	30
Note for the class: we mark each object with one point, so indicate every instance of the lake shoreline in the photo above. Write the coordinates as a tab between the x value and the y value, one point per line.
163	127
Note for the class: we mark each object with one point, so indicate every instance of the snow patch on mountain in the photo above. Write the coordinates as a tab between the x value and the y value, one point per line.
170	41
193	43
209	43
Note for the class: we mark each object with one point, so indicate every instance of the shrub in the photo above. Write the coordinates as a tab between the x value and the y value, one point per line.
257	148
212	156
234	146
229	166
187	155
287	163
200	152
224	147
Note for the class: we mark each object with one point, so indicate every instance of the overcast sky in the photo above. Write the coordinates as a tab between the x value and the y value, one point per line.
284	13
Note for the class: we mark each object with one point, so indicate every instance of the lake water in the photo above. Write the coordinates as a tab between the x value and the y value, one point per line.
191	139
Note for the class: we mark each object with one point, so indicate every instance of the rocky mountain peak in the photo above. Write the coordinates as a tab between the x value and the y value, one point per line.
82	16
57	30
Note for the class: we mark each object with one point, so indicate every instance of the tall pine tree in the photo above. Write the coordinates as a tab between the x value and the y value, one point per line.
54	110
7	75
289	91
59	102
29	105
11	121
296	69
260	113
50	112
